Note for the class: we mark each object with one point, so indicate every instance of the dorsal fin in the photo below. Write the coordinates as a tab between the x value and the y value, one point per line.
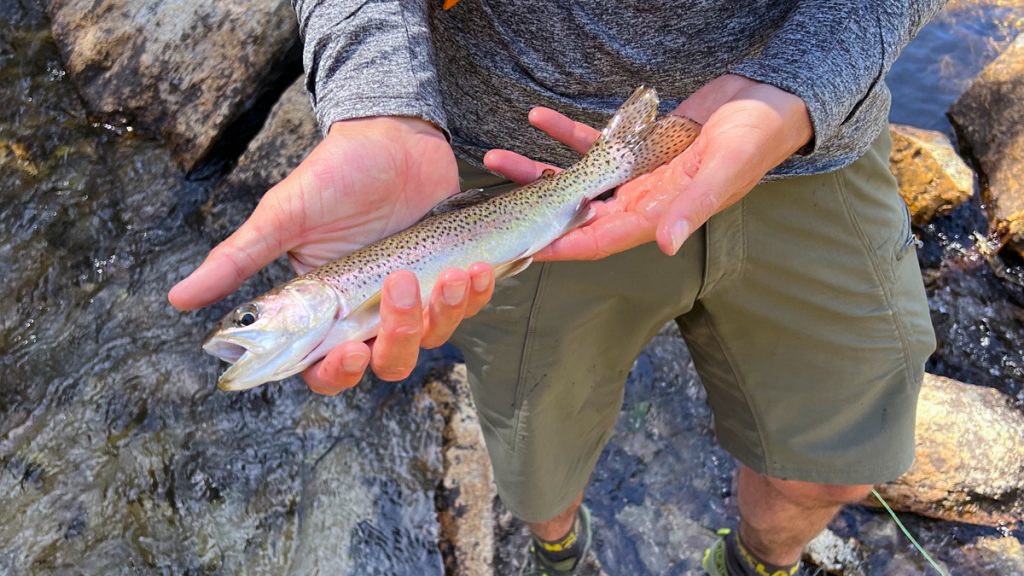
463	199
474	196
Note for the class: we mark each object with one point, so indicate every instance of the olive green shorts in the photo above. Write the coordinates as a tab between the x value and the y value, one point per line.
802	306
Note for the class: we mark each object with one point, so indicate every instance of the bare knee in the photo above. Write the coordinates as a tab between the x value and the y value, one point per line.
820	494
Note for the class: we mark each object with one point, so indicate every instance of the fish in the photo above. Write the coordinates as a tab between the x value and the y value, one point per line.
287	329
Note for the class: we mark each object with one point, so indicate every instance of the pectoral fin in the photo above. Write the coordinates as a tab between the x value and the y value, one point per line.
370	306
511	268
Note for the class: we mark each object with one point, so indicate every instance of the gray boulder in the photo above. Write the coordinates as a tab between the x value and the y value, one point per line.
288	135
990	118
179	68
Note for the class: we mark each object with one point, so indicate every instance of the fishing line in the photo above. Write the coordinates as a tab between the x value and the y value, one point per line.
907	533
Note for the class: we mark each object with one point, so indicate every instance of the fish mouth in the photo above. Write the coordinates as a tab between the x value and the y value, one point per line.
233	353
226	351
245	359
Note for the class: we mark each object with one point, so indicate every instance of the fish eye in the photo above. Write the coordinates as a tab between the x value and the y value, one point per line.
247	315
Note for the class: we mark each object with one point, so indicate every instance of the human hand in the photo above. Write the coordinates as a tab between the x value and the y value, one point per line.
749	128
368	178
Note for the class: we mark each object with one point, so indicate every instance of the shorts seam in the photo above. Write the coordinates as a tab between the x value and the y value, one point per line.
741	387
879	277
525	357
882	472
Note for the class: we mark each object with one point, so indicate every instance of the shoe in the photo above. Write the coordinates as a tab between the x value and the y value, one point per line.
714	560
714	557
537	565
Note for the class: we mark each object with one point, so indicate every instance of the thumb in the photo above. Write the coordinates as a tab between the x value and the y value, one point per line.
254	245
720	174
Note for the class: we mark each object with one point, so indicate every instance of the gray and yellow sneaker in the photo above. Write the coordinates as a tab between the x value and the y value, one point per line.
719	562
560	558
714	557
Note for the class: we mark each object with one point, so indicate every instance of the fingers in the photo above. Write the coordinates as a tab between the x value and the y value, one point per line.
723	171
522	170
575	135
481	277
405	328
394	352
397	346
606	235
447	307
515	167
457	295
341	369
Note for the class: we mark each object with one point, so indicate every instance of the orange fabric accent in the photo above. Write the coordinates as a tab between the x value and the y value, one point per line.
449	3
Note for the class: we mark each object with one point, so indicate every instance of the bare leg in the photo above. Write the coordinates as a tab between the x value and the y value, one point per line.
558	526
779	517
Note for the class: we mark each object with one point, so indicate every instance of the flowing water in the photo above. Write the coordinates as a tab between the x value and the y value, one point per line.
118	455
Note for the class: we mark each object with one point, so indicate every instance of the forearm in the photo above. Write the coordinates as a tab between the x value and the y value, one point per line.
371	58
832	53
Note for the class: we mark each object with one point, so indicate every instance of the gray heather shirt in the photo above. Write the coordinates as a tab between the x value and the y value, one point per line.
477	69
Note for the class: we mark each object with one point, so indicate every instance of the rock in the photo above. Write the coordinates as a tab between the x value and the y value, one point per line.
991	555
179	68
990	118
970	457
932	177
666	538
838	556
288	135
467	510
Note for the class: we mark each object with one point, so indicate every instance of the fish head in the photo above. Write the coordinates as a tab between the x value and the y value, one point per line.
270	337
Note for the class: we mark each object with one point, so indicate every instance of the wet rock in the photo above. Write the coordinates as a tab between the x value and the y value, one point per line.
838	556
364	509
932	177
970	457
466	505
990	118
182	69
288	135
666	538
991	555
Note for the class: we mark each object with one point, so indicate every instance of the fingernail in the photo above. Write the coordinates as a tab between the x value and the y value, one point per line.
480	282
453	293
680	232
354	362
403	293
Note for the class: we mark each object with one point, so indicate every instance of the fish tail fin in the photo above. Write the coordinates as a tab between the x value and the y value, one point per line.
637	139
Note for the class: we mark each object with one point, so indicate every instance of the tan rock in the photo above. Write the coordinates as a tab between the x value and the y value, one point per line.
932	177
467	518
179	68
990	117
970	457
991	555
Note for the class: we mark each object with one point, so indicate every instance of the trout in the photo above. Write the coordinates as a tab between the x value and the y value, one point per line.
285	330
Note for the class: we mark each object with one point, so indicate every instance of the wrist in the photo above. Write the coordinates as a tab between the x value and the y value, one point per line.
412	125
